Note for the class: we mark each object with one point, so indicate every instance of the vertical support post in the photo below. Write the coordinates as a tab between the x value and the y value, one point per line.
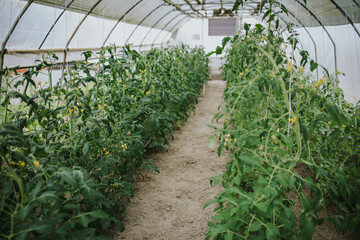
8	35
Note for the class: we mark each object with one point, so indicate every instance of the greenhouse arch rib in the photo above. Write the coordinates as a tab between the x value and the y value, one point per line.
120	19
322	25
76	29
351	21
174	27
152	27
194	9
8	35
52	27
165	27
159	6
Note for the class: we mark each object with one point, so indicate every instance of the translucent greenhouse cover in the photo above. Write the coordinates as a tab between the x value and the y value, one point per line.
329	29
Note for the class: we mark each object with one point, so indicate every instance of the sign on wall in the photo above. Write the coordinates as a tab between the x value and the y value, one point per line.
222	27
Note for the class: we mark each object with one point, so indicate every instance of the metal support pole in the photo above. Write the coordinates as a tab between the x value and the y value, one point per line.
57	19
76	29
337	5
159	6
164	28
152	27
120	19
321	23
8	35
174	27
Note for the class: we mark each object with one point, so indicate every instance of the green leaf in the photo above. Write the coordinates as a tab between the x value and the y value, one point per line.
266	14
313	65
307	227
85	149
255	226
237	4
211	142
25	211
250	160
218	50
272	231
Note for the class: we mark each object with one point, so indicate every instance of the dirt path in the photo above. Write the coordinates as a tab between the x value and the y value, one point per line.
169	205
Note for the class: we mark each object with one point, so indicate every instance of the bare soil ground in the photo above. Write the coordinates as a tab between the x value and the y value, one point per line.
169	205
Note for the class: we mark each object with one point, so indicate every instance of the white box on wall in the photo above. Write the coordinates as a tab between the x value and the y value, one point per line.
223	26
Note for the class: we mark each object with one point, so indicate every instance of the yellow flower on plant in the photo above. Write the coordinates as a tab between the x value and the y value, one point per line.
292	120
13	163
288	69
246	70
52	204
36	163
322	81
107	153
22	164
301	69
241	74
71	110
82	110
105	105
148	93
338	73
99	106
75	107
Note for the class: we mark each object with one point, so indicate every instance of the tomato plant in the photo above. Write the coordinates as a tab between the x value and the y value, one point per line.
70	148
291	138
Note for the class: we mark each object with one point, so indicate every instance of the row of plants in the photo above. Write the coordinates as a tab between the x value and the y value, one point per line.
291	139
69	149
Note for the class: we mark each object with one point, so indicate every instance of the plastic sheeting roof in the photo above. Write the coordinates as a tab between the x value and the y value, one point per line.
74	24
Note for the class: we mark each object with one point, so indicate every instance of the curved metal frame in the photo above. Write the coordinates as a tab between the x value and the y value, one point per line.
121	18
176	6
323	26
8	35
77	28
152	27
164	28
57	19
192	8
351	21
170	31
159	6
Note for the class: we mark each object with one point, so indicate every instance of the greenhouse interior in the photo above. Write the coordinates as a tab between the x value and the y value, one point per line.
180	119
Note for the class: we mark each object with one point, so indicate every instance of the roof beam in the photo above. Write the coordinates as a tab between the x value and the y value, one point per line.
177	6
322	25
174	27
165	27
337	5
57	19
152	27
76	29
159	6
120	19
8	35
194	9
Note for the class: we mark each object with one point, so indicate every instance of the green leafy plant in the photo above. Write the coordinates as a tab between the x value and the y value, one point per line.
291	139
70	148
